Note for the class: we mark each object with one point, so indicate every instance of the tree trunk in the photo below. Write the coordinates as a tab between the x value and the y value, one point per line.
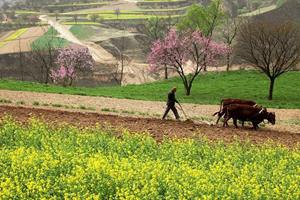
228	62
205	66
188	88
122	69
272	81
166	72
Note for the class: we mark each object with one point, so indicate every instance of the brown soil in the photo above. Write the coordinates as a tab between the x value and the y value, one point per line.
155	127
139	108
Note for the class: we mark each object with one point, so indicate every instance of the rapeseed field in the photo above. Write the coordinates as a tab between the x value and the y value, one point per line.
39	161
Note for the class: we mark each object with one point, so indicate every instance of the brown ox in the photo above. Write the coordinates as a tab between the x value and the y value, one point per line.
225	102
248	113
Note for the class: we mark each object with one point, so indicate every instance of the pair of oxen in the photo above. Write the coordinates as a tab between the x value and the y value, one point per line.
243	110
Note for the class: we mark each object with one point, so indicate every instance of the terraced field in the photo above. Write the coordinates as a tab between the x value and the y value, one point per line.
13	36
51	36
27	36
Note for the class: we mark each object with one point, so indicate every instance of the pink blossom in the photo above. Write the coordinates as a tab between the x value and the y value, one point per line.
71	61
175	50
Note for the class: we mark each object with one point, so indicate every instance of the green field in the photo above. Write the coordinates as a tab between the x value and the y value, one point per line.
259	11
49	38
84	24
207	89
162	1
47	162
141	11
133	16
77	4
28	12
83	32
17	34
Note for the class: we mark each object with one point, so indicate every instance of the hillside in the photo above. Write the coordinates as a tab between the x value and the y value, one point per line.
290	10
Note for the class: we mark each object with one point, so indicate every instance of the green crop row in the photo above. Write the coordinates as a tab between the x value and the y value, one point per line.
78	4
13	36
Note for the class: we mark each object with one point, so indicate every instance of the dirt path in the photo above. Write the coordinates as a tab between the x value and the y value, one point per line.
99	54
155	127
286	118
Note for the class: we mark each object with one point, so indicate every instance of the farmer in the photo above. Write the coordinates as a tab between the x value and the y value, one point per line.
171	104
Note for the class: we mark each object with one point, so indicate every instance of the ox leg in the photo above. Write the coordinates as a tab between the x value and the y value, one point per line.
255	125
243	123
220	114
218	120
235	122
225	123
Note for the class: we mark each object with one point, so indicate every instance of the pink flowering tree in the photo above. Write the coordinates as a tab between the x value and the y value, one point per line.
180	50
71	61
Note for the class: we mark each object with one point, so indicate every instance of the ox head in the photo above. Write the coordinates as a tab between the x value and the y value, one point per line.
271	117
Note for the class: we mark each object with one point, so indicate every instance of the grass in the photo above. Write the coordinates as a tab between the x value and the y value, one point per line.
49	38
5	101
127	112
81	23
83	32
28	12
120	17
140	11
40	161
162	1
259	11
35	103
20	103
133	16
77	4
56	105
109	110
207	89
292	122
18	33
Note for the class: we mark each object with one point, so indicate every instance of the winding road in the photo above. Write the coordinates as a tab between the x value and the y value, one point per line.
99	54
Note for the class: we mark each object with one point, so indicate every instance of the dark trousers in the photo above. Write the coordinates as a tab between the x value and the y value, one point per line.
173	108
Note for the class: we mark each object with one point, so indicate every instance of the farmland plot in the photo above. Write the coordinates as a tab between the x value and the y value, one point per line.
39	161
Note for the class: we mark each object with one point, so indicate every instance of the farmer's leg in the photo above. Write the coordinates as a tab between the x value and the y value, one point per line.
166	112
175	112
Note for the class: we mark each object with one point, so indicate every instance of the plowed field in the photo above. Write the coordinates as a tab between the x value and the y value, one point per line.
155	127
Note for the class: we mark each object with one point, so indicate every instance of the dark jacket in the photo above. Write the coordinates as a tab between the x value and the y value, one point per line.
171	99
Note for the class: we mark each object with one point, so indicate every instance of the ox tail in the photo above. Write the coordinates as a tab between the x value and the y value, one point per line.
216	113
221	105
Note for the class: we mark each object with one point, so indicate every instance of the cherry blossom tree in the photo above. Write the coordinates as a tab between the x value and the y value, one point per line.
71	61
175	50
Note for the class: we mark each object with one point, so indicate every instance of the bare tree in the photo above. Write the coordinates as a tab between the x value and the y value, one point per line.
94	17
117	12
155	28
75	18
21	60
122	60
271	47
43	54
56	13
229	33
